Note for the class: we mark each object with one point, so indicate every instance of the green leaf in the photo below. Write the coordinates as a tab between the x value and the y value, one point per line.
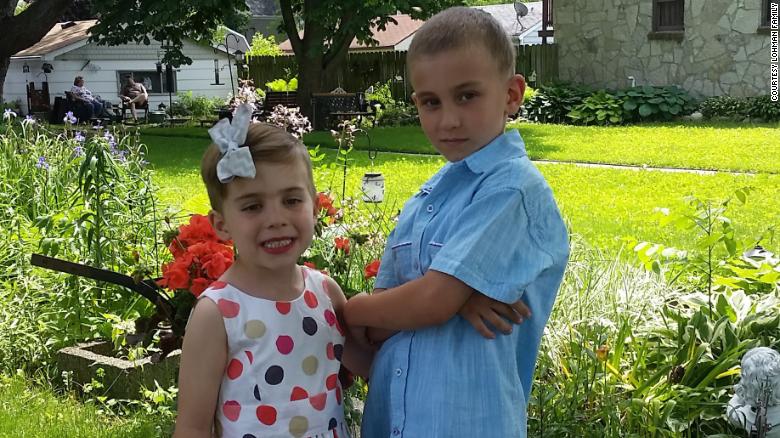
645	110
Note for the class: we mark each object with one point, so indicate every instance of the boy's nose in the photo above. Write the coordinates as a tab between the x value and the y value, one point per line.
450	118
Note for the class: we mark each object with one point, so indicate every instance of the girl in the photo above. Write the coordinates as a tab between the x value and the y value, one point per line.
264	344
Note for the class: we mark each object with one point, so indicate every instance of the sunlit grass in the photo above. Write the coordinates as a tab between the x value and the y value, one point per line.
28	411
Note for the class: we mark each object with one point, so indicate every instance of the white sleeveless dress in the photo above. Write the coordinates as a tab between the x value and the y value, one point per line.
283	364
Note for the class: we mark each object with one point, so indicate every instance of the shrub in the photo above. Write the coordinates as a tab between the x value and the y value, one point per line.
723	106
551	104
600	108
647	103
187	104
282	85
84	197
381	95
763	108
264	46
397	114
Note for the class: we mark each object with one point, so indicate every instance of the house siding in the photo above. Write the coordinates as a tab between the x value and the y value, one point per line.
100	74
603	42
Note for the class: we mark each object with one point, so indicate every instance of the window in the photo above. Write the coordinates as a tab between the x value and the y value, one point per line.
668	15
153	81
765	13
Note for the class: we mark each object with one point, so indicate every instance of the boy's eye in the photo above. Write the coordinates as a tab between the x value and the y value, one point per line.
251	207
430	103
465	97
293	201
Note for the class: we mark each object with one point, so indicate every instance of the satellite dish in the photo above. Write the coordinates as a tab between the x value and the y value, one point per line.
521	10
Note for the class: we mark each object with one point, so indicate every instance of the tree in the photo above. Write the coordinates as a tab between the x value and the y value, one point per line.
329	26
23	30
121	21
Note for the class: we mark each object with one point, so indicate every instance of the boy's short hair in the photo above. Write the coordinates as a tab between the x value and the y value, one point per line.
268	144
77	79
459	27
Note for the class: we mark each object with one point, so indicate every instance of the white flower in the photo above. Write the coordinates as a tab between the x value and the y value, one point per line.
8	114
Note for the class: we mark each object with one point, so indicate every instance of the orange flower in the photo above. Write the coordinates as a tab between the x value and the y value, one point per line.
342	243
371	269
199	285
601	353
325	202
199	257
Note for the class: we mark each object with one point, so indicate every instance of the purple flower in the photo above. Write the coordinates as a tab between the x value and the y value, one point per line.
28	120
78	151
42	164
79	137
8	114
70	118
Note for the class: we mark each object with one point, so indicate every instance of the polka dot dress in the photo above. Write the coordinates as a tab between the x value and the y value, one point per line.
283	363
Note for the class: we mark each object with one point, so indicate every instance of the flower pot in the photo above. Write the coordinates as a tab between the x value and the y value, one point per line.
123	378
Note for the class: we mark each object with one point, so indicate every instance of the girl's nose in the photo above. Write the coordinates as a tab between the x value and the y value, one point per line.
275	216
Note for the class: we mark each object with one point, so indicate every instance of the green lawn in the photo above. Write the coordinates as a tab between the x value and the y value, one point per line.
736	147
27	411
602	205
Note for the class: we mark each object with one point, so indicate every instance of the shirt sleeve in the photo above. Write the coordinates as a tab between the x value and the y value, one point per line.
386	277
504	241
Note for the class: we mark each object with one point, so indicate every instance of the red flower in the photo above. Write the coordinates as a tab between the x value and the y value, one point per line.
371	269
199	285
342	243
199	257
325	202
310	265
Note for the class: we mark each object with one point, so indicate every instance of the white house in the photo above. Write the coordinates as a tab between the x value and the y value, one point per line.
64	53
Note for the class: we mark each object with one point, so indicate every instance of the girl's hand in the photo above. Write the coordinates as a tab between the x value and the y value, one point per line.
480	309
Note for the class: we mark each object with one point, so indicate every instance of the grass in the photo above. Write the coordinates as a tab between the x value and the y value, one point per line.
721	146
713	146
602	205
28	411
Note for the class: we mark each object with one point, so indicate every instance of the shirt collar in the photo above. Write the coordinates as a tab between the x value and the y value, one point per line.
505	146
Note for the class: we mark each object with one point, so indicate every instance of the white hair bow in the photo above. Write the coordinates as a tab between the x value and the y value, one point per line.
236	160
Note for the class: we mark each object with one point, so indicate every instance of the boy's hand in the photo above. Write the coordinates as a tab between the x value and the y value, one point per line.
480	309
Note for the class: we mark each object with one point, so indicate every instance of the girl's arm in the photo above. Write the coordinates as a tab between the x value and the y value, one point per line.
203	361
356	357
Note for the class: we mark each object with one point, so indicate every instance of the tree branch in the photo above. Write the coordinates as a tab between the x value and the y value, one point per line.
26	29
288	19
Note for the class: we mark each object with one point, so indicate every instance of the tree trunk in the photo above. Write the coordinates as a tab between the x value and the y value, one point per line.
4	62
24	30
310	73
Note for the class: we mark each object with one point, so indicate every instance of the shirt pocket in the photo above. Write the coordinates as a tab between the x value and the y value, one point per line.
434	247
405	262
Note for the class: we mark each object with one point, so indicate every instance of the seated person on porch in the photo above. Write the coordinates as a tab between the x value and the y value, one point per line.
99	106
134	93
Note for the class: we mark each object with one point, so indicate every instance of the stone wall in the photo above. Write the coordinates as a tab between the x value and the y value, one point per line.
721	52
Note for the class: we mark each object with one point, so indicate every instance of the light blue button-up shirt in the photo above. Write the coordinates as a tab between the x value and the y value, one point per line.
491	221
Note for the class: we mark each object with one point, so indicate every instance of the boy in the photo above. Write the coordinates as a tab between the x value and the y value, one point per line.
486	225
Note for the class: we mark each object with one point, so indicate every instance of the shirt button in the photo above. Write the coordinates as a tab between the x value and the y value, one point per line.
396	432
398	372
429	209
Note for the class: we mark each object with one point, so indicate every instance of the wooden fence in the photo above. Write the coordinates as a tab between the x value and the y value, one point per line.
362	70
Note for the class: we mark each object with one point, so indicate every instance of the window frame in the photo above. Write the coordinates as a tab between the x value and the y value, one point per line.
156	79
667	28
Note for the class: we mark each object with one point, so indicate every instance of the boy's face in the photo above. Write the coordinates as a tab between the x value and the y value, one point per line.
463	99
270	218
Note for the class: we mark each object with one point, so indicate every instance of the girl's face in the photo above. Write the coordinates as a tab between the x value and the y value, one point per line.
270	218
